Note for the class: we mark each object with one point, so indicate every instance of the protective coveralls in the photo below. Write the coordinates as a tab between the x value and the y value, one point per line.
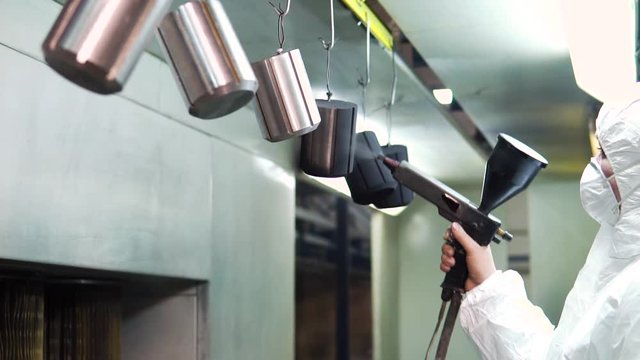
601	315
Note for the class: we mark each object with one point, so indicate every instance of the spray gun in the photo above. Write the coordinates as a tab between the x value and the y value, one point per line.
510	168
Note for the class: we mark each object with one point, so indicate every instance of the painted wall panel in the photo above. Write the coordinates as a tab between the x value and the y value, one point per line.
131	182
252	282
561	236
98	181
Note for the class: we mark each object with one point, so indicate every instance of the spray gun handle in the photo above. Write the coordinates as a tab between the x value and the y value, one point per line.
455	279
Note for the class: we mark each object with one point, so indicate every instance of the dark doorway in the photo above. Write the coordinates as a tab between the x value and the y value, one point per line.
333	276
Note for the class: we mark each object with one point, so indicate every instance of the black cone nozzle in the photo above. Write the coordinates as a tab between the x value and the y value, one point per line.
510	169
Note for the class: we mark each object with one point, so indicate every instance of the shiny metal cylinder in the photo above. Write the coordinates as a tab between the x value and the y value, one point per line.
207	60
285	106
328	151
96	43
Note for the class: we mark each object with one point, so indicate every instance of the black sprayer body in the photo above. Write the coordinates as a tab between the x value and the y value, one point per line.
510	168
454	207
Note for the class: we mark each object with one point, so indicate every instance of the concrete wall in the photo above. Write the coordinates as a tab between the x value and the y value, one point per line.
131	182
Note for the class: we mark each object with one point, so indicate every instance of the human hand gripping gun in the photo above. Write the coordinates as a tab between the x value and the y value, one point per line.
510	168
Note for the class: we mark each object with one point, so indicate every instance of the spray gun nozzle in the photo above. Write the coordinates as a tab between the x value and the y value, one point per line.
392	164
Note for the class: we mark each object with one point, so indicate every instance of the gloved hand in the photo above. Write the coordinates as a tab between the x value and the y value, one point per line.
479	258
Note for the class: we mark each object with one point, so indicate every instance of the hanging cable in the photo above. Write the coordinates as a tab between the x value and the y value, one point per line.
281	14
367	79
392	100
328	46
443	308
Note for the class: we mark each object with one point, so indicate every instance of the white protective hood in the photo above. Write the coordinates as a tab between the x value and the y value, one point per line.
618	129
601	316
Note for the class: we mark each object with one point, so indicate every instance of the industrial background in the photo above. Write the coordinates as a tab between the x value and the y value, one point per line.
224	249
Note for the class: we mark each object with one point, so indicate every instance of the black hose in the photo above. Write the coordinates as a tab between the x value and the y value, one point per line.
449	323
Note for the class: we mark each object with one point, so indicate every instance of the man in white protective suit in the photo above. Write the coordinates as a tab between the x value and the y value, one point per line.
601	315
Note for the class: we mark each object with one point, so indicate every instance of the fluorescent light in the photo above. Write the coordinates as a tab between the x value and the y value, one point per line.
444	96
601	41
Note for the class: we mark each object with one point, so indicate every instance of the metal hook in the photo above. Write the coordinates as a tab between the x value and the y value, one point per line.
328	46
281	14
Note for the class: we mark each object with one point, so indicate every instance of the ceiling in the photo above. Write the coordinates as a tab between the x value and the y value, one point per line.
505	60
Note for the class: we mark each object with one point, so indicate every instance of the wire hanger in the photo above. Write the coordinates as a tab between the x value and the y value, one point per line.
364	82
281	15
392	99
328	46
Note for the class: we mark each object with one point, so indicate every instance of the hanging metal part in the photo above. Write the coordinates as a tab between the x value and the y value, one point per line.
281	15
285	106
329	150
370	179
207	59
401	195
285	103
96	43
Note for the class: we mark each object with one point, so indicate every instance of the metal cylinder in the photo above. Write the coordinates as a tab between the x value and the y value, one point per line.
370	179
207	60
285	106
401	195
328	151
96	43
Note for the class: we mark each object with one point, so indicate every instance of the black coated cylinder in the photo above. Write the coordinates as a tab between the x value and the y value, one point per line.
370	179
329	150
401	195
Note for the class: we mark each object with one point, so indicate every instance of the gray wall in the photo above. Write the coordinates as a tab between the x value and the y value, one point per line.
131	182
561	236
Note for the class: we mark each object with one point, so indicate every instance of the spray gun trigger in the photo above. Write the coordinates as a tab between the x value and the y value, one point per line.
451	202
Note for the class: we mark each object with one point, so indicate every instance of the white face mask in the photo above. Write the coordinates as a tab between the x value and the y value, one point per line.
597	196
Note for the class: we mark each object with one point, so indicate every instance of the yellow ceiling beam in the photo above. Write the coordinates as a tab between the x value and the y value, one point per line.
378	28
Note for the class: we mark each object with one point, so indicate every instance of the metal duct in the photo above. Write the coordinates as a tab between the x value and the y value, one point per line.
285	103
207	60
96	43
329	150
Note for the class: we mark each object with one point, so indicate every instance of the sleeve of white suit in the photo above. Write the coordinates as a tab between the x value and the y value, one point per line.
502	322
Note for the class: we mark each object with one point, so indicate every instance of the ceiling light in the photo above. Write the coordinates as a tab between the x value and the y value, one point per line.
444	96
